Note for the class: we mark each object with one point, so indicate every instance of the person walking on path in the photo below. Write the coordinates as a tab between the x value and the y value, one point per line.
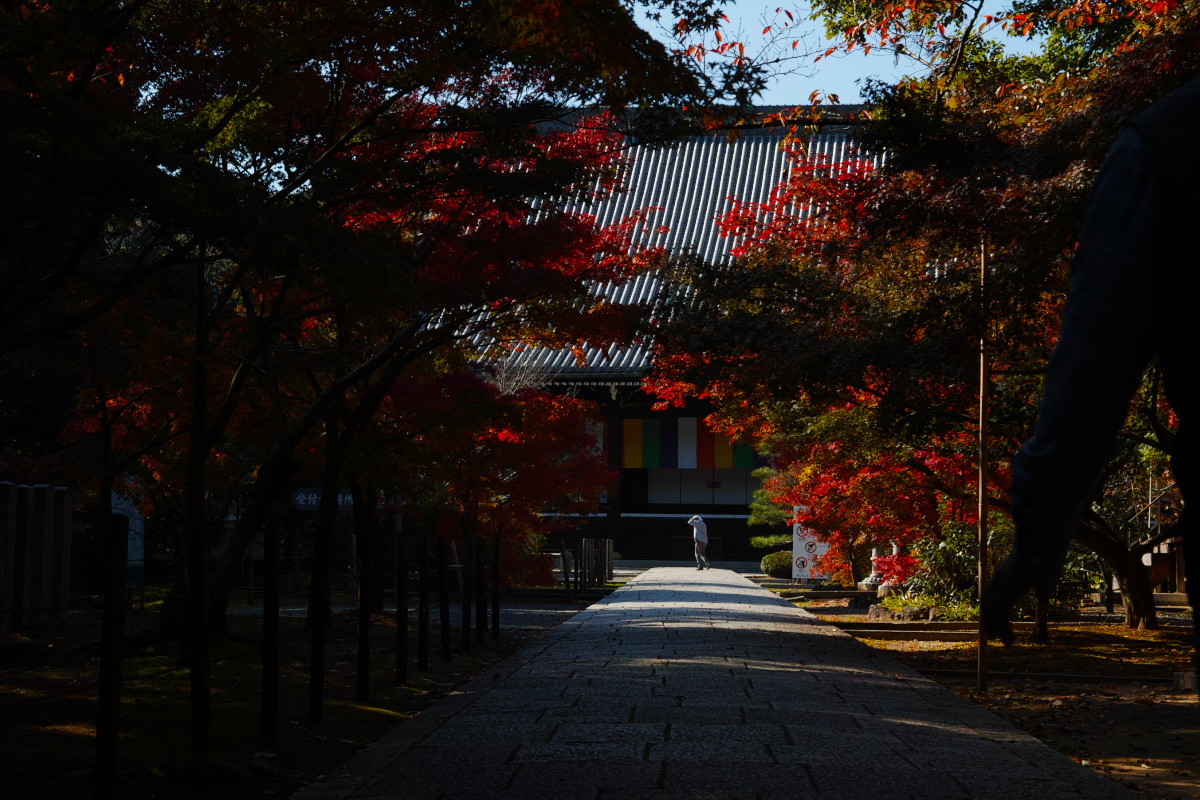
700	534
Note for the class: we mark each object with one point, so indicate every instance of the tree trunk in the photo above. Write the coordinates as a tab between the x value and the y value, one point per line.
108	706
423	608
496	586
269	711
468	584
366	580
1137	595
1041	621
319	600
443	598
401	600
375	533
481	598
270	482
1106	573
199	552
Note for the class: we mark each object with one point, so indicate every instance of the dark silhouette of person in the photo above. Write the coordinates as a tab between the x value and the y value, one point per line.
1134	298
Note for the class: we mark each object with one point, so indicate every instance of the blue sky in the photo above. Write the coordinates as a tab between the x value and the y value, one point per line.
835	75
838	74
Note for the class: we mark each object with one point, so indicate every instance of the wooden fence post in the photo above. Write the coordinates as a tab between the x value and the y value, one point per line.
112	635
443	597
481	594
8	555
401	600
496	586
269	710
423	606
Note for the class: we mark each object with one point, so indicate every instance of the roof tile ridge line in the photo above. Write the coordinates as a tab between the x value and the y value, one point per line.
652	157
733	161
611	212
751	187
667	191
757	183
660	191
630	203
785	164
849	119
774	167
695	192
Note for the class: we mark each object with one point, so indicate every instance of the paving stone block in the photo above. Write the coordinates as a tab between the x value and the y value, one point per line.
726	734
635	776
497	733
566	752
692	714
581	732
735	777
746	753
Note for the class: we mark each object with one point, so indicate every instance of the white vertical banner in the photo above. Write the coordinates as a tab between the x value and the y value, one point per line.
805	548
687	443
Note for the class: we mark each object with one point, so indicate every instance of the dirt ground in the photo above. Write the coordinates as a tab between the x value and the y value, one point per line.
48	693
1118	712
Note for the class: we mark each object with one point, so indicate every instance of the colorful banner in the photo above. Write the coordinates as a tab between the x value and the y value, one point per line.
744	457
687	443
683	443
651	441
632	444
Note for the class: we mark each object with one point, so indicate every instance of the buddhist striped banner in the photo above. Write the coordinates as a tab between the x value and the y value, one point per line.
682	443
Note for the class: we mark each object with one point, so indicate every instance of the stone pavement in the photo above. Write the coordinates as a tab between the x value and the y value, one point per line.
690	685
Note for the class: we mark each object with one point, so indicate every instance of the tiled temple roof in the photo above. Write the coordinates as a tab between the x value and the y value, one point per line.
689	185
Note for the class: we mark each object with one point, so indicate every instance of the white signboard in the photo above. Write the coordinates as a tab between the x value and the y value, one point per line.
805	548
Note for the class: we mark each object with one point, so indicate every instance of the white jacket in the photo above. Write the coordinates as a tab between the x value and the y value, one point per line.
699	529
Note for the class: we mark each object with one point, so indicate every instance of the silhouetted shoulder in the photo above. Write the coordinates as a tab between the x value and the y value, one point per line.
1174	120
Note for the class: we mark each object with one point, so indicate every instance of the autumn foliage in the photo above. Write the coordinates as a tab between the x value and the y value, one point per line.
519	464
847	339
235	232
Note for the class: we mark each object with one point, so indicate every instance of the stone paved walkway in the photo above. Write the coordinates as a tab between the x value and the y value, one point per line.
690	685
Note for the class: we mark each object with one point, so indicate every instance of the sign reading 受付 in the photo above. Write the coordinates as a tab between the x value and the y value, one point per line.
310	500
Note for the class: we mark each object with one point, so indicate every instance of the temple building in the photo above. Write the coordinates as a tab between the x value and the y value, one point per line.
671	465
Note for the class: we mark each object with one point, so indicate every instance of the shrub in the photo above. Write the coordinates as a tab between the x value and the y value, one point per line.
951	611
948	571
777	564
767	542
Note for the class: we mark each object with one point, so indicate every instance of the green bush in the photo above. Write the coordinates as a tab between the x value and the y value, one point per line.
952	611
948	575
767	542
949	569
777	565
